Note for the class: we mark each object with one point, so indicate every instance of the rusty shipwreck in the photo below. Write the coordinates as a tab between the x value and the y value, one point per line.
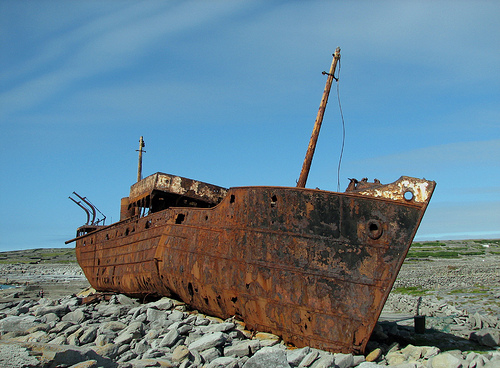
312	266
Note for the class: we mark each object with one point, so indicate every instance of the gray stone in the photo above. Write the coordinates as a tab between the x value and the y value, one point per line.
112	326
429	351
39	327
242	348
197	360
135	328
125	300
63	355
86	364
492	364
326	361
73	339
176	315
202	321
487	337
135	311
294	357
170	338
357	360
123	348
129	355
61	326
111	310
268	357
217	327
77	316
344	360
15	323
88	335
50	317
152	353
144	363
208	341
38	336
59	310
16	355
180	353
184	329
153	314
309	359
152	334
193	336
210	354
71	330
412	353
395	358
103	339
125	338
445	360
59	340
476	321
224	362
163	304
141	347
368	365
108	350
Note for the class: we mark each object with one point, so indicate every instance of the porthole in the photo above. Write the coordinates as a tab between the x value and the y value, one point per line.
374	229
408	195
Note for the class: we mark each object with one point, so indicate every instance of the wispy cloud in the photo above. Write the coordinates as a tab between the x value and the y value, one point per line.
105	44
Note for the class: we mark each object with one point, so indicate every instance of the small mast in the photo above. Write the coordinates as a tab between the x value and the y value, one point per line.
317	124
140	150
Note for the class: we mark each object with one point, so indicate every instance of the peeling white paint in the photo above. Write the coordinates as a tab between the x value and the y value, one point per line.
421	190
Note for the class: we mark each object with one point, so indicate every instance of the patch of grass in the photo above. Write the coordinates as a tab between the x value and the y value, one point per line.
488	241
477	253
477	290
437	254
410	290
457	291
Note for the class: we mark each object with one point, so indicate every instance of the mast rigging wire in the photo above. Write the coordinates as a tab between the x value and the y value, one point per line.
343	129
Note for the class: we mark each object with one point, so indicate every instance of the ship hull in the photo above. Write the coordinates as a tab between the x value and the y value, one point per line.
314	267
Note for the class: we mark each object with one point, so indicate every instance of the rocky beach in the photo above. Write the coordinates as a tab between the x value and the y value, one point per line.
49	317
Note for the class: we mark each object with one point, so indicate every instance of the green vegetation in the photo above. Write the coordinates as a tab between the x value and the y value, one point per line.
441	254
410	290
429	244
454	249
495	242
36	256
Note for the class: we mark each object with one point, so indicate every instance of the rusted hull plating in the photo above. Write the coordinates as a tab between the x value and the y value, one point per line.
312	266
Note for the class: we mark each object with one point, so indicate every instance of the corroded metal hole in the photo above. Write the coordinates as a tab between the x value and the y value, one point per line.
374	229
408	195
180	218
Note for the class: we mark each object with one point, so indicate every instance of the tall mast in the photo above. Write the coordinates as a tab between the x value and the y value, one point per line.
317	124
140	150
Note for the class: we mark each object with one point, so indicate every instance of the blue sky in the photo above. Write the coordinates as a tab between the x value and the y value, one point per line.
227	92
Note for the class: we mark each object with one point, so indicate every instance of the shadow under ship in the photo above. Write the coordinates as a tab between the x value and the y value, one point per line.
312	266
